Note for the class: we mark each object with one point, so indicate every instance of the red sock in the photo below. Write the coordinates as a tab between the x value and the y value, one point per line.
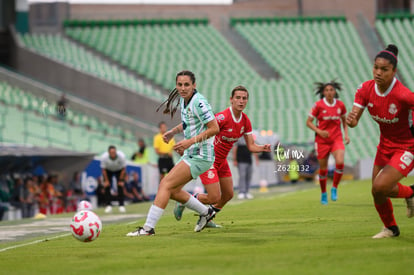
386	214
322	179
339	169
404	191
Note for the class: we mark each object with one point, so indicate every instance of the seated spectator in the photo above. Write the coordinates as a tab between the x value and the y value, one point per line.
61	107
142	155
311	166
133	189
4	201
75	193
17	195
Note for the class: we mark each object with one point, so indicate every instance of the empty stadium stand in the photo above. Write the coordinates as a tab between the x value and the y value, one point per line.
300	50
399	30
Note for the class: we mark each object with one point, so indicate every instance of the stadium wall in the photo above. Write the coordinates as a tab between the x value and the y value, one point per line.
86	86
219	14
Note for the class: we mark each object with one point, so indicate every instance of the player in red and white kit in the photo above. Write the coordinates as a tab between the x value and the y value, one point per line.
329	113
390	104
233	124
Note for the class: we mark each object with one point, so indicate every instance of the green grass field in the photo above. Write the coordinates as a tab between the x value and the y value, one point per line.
273	234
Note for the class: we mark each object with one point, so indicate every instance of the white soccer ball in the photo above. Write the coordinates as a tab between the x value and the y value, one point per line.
86	226
84	205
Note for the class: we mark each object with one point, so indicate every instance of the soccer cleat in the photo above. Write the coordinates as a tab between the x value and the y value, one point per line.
122	209
204	219
249	196
241	196
108	209
141	232
212	224
334	194
410	205
178	211
392	231
324	198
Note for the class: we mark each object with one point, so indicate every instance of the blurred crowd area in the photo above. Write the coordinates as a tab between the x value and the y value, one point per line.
30	195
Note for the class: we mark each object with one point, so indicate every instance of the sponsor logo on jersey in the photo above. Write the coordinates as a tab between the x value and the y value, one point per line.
330	117
230	130
392	109
407	158
385	120
229	139
370	104
338	111
324	111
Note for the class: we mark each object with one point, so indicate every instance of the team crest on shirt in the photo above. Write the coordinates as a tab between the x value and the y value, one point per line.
220	117
324	111
210	174
242	130
392	109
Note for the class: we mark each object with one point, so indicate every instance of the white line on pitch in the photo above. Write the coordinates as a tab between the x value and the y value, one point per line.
34	242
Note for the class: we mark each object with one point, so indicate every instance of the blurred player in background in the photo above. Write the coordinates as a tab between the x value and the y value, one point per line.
329	113
390	104
197	150
113	164
233	124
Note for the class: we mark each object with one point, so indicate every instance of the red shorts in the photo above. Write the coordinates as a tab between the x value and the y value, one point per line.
399	159
219	170
323	149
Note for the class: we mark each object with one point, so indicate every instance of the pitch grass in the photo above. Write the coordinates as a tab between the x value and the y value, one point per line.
275	234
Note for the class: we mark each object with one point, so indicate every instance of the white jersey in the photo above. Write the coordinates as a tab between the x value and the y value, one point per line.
194	117
113	165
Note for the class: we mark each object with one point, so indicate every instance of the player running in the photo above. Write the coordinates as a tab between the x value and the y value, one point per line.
199	126
390	104
329	112
233	124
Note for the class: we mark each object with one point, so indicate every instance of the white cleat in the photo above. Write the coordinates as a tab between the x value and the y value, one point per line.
122	209
241	196
204	219
249	196
386	233
108	209
141	232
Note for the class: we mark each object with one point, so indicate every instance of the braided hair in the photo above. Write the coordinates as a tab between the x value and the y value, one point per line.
320	87
170	108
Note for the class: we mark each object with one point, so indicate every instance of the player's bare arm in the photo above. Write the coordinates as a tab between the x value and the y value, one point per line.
353	117
310	125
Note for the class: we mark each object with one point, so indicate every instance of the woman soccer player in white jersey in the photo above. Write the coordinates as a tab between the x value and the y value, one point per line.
233	124
390	104
197	150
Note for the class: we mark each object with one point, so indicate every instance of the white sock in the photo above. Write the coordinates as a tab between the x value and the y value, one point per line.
196	205
154	215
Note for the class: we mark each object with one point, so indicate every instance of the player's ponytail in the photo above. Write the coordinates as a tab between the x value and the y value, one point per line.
320	86
173	96
390	53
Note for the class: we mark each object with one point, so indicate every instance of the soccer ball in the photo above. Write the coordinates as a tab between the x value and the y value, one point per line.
86	226
84	205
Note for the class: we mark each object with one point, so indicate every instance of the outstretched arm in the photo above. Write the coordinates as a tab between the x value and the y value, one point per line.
255	148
